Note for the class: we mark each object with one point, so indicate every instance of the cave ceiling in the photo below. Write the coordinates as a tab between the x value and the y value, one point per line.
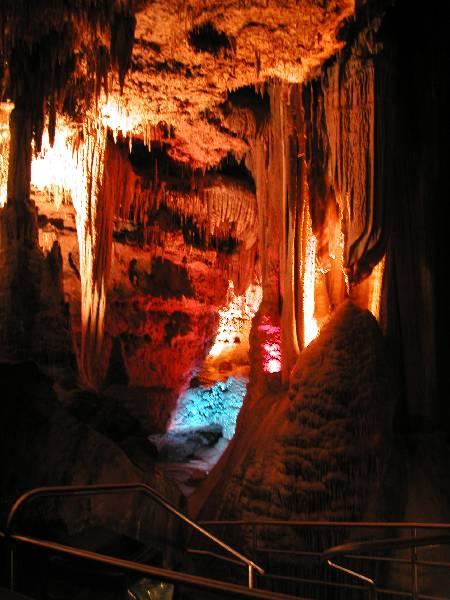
188	60
188	56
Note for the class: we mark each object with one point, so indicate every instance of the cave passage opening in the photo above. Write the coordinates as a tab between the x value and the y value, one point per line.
204	420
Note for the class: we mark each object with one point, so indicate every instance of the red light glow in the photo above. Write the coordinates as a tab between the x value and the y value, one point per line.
271	346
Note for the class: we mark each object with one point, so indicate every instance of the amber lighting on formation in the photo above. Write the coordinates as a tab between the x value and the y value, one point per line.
54	170
4	151
376	287
5	110
115	115
235	318
311	329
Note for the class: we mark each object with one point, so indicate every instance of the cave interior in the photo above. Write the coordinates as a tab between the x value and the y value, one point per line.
223	257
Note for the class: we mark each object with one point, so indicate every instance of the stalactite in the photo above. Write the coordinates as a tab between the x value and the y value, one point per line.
346	154
5	110
308	274
350	113
45	49
122	37
94	218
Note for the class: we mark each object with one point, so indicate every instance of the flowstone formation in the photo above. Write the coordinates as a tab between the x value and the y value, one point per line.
328	453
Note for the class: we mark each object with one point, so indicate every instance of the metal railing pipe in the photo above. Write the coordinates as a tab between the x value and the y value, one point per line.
381	545
120	488
183	579
385	544
369	583
330	524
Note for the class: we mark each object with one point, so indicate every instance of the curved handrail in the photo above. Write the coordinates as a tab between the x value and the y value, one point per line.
384	544
185	579
360	547
120	488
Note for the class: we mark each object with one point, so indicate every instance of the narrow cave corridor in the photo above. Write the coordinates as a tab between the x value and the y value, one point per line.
223	257
204	419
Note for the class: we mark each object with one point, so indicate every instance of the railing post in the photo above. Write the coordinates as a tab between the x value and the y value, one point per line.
251	573
12	567
373	593
414	574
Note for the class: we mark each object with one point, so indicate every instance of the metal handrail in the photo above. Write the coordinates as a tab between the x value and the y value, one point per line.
184	579
119	488
413	526
339	524
384	544
357	548
377	546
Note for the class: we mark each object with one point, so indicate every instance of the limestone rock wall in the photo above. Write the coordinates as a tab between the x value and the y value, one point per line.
46	445
161	314
34	318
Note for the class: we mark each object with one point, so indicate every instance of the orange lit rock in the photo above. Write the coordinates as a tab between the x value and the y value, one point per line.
328	453
185	63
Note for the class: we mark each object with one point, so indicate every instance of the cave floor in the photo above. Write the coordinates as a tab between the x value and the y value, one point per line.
190	472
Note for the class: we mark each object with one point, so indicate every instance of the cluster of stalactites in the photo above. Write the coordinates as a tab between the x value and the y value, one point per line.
96	174
223	209
346	155
58	54
218	206
319	232
215	207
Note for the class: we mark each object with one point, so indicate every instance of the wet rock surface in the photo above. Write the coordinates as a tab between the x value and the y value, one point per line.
183	444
